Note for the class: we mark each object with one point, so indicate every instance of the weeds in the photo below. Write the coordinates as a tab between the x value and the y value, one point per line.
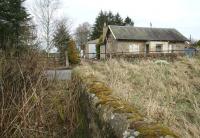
30	105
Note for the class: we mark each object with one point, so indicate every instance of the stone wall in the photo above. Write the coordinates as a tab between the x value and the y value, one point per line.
110	117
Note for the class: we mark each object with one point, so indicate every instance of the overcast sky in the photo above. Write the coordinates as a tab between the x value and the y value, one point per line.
184	15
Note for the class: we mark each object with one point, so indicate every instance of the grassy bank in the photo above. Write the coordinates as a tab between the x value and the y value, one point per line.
167	93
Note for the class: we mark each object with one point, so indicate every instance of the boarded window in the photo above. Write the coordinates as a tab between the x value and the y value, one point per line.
159	48
134	48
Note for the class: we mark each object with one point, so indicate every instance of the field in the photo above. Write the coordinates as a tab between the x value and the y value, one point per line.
165	93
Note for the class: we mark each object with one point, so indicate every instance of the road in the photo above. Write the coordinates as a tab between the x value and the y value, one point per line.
59	74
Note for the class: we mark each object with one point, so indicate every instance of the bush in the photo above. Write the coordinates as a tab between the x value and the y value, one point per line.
72	53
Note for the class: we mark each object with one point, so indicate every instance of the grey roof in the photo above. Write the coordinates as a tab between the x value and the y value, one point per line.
146	34
93	41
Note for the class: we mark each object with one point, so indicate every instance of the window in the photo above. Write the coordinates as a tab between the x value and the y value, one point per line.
134	49
159	48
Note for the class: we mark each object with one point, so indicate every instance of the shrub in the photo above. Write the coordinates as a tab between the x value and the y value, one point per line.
72	53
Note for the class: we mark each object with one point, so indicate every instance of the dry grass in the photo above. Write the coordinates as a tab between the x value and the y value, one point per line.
169	94
31	106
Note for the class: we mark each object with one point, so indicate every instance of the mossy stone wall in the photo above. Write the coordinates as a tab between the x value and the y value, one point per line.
110	117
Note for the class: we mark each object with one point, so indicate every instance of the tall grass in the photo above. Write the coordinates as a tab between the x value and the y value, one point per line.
168	94
31	106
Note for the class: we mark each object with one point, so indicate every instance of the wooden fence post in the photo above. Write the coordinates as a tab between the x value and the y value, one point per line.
67	59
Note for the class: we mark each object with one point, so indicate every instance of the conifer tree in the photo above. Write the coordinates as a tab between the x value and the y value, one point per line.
61	38
105	17
118	20
13	19
128	21
98	26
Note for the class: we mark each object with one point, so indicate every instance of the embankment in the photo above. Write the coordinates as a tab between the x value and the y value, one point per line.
108	117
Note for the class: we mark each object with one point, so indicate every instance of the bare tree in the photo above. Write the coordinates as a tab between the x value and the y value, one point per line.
44	11
82	34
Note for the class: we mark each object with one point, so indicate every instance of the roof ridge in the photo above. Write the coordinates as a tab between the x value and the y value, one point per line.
140	27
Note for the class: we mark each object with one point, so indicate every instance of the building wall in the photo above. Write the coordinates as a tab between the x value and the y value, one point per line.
153	44
90	51
114	46
111	44
102	52
123	46
178	46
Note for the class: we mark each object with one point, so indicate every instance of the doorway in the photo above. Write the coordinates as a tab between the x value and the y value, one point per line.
147	48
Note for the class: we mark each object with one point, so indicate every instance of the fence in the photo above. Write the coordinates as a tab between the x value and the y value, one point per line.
144	54
48	62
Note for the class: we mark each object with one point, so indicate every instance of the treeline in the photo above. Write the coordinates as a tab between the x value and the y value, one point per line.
110	19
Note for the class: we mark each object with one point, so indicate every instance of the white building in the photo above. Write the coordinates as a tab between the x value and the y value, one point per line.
90	51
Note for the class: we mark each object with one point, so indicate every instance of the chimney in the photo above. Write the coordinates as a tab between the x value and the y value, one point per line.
104	30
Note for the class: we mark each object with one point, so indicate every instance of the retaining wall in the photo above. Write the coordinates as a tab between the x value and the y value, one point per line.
110	117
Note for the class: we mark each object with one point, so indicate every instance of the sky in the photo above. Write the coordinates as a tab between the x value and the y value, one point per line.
184	15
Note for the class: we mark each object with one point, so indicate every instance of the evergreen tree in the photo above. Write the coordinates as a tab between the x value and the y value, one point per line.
118	20
13	19
128	21
110	18
98	26
105	17
61	38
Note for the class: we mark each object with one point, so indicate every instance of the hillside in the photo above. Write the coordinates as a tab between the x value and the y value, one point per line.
165	93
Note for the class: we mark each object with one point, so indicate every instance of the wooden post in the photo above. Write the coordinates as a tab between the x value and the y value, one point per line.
67	59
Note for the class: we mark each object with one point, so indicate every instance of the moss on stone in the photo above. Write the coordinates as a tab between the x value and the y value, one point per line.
152	130
135	117
103	92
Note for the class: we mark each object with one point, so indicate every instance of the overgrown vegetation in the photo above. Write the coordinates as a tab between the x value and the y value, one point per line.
98	47
72	53
31	105
167	94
